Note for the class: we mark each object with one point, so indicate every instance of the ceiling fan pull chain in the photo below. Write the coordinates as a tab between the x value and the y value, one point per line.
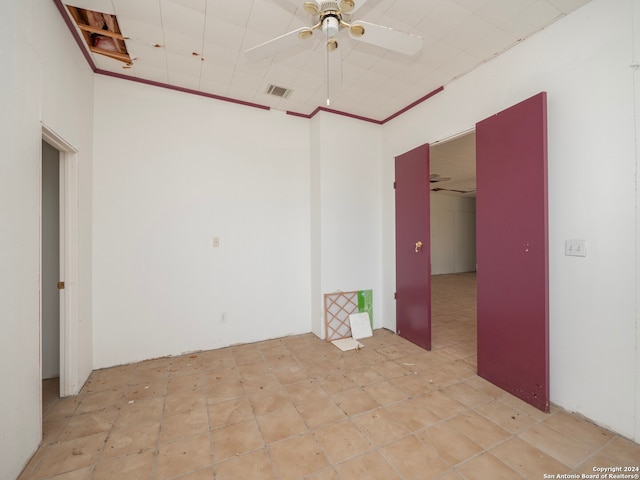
328	77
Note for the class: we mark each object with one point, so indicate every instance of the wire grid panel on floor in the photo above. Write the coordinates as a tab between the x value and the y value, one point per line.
337	308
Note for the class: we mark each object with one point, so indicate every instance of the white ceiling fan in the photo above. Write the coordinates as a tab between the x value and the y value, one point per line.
328	19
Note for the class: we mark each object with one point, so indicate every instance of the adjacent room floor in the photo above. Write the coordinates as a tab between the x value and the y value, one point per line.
299	408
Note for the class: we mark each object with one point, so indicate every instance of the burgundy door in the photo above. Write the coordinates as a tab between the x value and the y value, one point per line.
512	250
413	252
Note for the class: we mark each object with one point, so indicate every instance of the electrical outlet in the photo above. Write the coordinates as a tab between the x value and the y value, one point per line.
216	242
575	248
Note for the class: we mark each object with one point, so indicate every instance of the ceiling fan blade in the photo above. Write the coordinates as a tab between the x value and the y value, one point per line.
279	44
385	37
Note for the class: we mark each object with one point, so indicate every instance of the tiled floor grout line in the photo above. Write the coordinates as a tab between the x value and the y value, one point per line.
265	446
210	430
309	429
156	448
109	433
476	455
595	453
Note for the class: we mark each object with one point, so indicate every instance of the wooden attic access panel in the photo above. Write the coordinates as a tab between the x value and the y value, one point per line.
101	33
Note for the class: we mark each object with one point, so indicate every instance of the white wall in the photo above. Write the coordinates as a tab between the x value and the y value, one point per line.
583	62
453	234
315	217
286	196
172	171
345	189
45	79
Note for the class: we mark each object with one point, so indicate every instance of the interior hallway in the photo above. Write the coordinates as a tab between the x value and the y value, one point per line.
298	407
453	315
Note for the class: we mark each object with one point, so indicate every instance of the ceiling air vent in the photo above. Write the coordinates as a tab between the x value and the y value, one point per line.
278	91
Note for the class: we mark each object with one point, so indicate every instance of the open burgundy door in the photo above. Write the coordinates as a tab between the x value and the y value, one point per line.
413	250
512	250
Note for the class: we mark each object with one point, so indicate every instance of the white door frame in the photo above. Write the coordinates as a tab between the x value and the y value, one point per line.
68	263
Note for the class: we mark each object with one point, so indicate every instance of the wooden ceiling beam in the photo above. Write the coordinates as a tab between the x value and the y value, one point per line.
98	31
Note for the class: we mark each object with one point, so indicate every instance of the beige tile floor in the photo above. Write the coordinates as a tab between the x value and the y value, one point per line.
298	408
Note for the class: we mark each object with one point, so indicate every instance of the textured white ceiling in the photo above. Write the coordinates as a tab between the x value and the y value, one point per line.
203	43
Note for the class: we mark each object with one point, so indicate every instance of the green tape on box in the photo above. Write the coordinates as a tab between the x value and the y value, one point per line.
365	303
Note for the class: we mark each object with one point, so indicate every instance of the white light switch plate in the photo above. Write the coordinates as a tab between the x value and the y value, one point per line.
575	248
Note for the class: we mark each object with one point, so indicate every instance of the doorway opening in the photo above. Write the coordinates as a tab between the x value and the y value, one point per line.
453	246
50	275
59	333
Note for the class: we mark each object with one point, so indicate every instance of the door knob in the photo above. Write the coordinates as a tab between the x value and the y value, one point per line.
418	246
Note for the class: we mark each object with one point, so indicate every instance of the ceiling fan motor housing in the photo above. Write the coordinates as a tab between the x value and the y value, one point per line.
329	6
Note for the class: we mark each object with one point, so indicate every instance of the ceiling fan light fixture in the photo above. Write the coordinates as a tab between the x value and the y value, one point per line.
311	8
330	26
332	44
347	5
357	30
